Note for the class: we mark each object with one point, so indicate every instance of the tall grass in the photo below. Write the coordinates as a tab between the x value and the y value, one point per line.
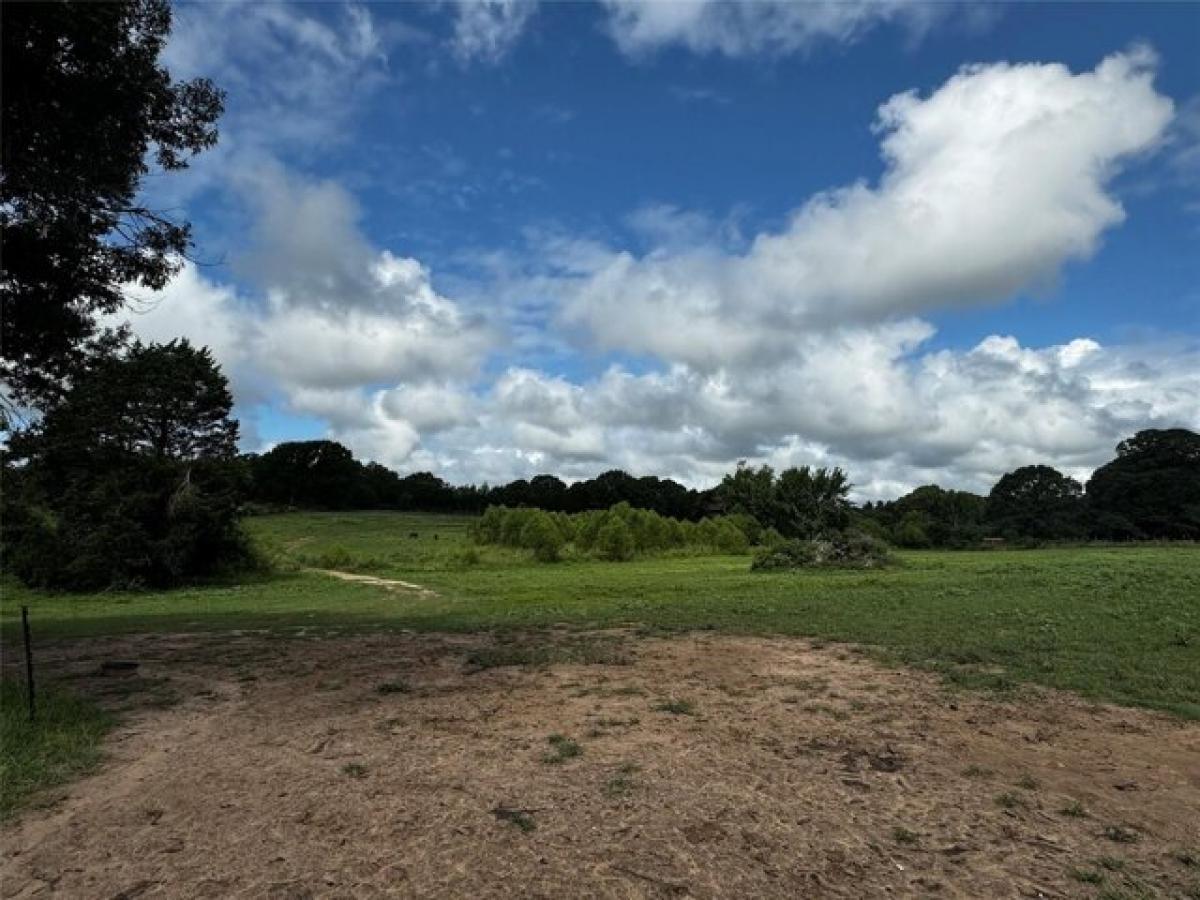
63	742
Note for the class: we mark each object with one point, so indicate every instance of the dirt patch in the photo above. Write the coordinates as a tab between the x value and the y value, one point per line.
388	584
708	766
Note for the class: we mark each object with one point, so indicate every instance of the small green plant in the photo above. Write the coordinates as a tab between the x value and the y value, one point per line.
905	836
677	707
1074	810
393	687
1087	876
974	771
354	770
1009	800
562	748
621	783
1028	782
522	818
1111	863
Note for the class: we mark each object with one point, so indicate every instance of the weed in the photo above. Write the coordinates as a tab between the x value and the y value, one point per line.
1121	835
974	771
904	836
1028	782
677	707
354	770
1087	876
562	748
1009	800
1074	810
522	818
1111	863
621	783
393	687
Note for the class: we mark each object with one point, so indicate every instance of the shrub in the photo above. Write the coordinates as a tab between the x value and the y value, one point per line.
596	532
614	541
842	550
541	535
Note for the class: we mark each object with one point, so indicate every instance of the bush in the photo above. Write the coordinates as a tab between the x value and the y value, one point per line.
838	550
614	541
596	532
543	537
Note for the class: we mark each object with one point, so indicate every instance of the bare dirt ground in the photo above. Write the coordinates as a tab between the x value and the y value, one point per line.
403	765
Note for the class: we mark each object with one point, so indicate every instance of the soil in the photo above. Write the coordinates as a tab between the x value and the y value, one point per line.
397	765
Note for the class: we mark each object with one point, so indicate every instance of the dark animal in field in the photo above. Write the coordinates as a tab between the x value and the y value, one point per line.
413	535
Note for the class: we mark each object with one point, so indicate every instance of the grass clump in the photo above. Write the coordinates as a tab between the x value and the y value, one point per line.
1121	835
677	707
1074	810
562	748
905	836
354	770
62	743
519	817
1009	800
397	686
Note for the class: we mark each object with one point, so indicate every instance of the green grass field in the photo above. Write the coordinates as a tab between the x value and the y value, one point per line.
1118	624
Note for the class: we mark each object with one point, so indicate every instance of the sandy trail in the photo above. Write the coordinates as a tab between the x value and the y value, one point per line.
385	583
799	772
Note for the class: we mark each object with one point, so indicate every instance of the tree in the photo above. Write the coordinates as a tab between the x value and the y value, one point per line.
751	491
130	479
800	502
322	474
931	516
1036	502
1152	488
812	502
86	108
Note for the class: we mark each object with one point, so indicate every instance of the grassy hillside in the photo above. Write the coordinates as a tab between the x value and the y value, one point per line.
1119	624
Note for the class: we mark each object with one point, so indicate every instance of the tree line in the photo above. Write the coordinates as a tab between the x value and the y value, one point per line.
325	475
1150	491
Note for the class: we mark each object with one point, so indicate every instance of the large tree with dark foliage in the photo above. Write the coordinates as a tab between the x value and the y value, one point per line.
930	516
800	502
1152	488
130	479
1036	502
87	110
320	474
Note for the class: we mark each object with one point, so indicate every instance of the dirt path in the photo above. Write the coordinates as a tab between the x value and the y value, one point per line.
388	584
400	766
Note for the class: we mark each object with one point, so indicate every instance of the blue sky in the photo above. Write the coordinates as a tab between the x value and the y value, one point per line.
492	239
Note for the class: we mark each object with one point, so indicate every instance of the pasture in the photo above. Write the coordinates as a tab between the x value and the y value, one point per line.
962	724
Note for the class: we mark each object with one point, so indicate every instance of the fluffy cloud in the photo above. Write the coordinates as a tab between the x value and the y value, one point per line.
992	183
866	399
754	27
803	345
